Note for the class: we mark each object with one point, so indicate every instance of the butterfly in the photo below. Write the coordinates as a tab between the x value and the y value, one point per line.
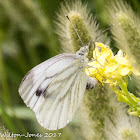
54	89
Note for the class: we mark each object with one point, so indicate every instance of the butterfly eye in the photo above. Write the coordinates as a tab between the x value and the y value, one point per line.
82	51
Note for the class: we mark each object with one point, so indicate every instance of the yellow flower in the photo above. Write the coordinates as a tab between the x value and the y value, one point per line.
95	70
106	67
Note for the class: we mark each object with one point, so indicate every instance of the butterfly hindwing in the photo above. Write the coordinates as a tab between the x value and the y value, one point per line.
59	107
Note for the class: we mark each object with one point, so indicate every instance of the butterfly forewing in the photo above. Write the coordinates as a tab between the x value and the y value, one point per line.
54	89
37	79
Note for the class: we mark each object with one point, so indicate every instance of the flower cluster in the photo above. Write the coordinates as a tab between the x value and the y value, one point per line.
107	67
114	69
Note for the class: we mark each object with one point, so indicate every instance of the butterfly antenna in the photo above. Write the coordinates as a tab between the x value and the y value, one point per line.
99	35
75	29
91	41
104	31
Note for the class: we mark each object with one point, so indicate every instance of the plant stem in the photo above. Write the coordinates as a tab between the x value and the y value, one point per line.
5	87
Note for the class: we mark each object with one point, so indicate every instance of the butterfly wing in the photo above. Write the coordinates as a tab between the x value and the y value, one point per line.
54	90
37	79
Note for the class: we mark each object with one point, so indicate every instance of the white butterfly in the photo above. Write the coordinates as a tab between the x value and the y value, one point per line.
54	89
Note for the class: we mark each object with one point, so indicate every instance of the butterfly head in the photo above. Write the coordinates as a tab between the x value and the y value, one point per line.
83	51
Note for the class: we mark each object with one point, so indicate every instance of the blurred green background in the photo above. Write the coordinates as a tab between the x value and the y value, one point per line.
27	37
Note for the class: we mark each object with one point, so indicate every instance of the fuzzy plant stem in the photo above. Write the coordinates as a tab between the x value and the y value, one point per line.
131	34
96	101
126	30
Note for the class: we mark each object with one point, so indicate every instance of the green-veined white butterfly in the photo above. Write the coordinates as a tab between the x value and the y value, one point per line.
54	89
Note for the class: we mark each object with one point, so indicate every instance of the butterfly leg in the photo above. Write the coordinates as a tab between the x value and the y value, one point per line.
96	69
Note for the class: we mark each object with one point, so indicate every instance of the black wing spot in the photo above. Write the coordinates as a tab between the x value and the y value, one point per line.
38	92
91	82
89	86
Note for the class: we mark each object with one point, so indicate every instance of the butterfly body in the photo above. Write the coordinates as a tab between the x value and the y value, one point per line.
54	89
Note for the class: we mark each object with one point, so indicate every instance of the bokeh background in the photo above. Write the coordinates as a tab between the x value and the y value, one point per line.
27	38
